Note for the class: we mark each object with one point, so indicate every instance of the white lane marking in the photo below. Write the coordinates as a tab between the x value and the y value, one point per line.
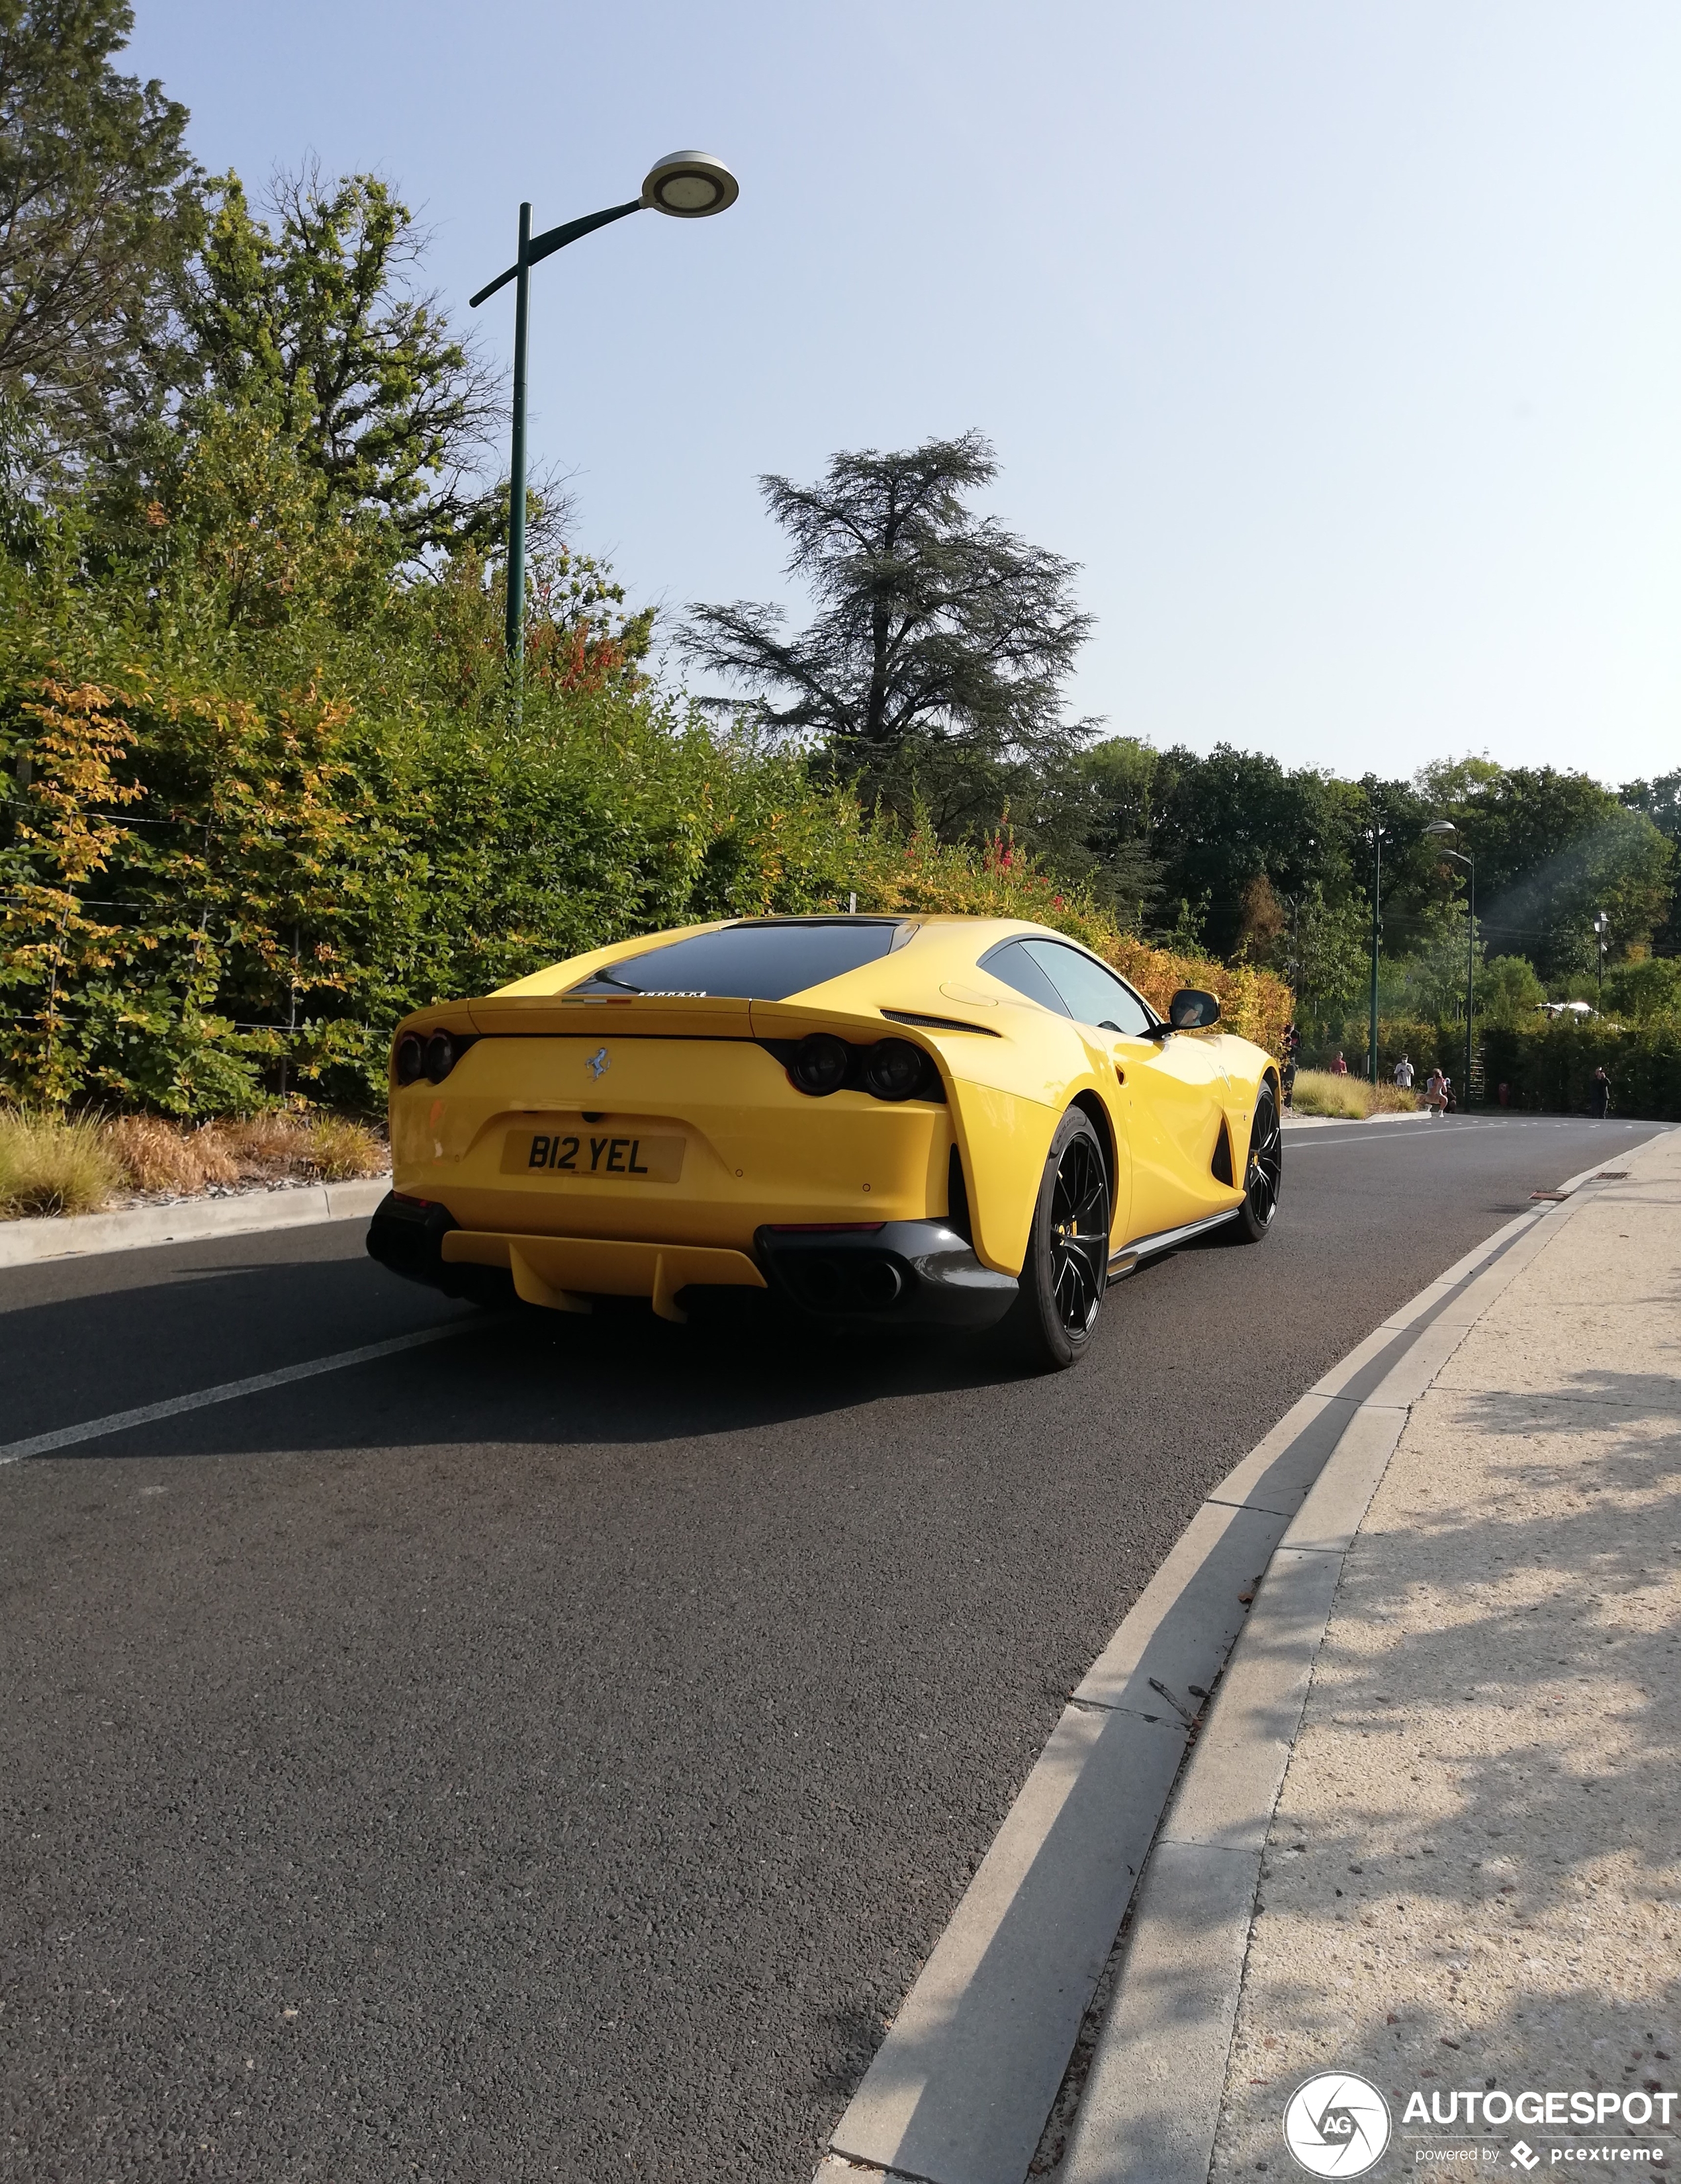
228	1392
1363	1134
1298	1136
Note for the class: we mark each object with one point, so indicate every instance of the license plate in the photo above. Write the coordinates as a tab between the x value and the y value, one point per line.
622	1155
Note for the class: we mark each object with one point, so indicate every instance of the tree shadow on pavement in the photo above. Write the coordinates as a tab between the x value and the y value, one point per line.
1472	1876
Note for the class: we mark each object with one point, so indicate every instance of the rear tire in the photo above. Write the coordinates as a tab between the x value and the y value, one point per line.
1065	1272
1263	1171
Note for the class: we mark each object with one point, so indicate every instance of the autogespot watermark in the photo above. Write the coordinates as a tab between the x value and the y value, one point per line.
1338	2123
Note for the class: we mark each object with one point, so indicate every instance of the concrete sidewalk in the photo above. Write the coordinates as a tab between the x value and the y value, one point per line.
1471	1883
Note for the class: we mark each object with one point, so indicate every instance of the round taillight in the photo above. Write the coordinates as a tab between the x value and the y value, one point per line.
818	1064
410	1058
893	1069
440	1056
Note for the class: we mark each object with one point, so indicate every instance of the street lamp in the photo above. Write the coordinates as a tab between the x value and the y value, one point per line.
1601	926
1374	834
687	184
1446	827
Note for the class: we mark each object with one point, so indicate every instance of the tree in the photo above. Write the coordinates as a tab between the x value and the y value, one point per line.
1099	824
1508	992
1552	849
1327	957
1640	991
1659	799
307	319
942	642
96	197
1222	823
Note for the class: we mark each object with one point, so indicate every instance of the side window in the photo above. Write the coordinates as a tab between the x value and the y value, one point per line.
1094	996
1014	965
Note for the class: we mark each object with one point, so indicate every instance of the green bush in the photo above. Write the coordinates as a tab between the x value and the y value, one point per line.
269	788
1639	992
237	857
1550	1067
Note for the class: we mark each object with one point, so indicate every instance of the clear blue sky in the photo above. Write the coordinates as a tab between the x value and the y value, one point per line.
1340	344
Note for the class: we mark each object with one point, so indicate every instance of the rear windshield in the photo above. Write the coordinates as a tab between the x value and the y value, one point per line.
757	962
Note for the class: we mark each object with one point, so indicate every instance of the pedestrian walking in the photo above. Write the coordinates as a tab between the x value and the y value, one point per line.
1404	1074
1339	1067
1598	1096
1290	1081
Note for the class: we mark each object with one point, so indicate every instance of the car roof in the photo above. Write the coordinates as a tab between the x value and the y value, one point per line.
945	941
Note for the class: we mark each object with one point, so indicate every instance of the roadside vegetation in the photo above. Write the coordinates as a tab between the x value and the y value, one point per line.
267	783
1321	1092
53	1163
50	1165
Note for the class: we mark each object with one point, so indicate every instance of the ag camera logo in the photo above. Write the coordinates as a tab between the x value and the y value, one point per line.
1337	2125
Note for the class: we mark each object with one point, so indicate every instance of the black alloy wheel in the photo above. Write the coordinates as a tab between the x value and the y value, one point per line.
1263	1175
1066	1271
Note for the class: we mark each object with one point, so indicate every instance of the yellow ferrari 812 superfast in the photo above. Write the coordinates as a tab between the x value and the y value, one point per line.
950	1121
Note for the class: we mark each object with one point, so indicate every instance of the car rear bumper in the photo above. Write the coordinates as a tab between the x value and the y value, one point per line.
913	1274
900	1272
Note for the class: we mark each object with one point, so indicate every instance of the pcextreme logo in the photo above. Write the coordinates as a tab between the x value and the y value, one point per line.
1337	2125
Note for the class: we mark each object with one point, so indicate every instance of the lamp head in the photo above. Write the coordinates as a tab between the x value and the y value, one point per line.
689	186
1441	827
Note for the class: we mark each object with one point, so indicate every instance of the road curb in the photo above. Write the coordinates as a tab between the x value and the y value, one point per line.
961	2087
1150	2108
300	1206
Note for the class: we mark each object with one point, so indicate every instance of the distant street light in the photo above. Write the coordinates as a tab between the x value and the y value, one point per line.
1446	827
687	184
1602	927
1374	834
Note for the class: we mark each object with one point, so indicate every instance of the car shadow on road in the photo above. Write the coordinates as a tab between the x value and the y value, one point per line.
618	1374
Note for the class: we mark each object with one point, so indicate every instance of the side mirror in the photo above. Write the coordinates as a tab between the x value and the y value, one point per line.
1192	1009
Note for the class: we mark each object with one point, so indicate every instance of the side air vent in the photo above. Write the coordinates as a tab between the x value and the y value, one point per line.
957	1198
939	1024
1222	1154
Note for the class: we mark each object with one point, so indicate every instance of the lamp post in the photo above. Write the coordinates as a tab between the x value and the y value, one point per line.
1375	836
687	184
1446	827
1601	926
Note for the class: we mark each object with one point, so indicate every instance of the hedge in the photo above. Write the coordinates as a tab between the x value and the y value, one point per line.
1549	1068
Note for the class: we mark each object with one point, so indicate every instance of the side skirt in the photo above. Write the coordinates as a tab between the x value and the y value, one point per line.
1123	1261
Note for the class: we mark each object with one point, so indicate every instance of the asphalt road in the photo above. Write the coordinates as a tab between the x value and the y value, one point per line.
551	1753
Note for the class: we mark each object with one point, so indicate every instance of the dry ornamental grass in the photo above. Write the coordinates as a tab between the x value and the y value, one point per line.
49	1165
157	1155
1321	1092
